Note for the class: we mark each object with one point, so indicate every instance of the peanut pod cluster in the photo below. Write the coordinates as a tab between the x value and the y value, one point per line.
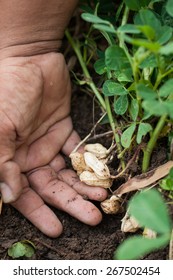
91	165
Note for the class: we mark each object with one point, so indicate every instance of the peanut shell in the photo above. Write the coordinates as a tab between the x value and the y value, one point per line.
100	169
78	162
91	179
97	149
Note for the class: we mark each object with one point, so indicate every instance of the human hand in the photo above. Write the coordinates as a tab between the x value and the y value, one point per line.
35	131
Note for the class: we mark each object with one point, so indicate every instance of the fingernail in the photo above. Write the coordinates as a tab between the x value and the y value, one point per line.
7	195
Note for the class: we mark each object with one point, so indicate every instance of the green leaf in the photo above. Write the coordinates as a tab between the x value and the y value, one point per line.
116	59
147	17
136	247
111	88
155	107
143	129
129	28
146	115
168	105
124	75
29	251
166	184
134	109
93	18
152	27
104	27
19	249
167	49
152	46
148	31
145	92
136	4
169	7
164	34
100	66
150	61
150	210
121	105
166	89
126	137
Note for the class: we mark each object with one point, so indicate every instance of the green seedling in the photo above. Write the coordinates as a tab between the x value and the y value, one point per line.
20	249
149	209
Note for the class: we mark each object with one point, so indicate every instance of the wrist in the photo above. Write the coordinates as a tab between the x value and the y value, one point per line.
30	49
33	27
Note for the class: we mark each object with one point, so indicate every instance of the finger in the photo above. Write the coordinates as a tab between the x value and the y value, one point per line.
11	182
60	195
33	208
10	178
43	150
72	141
70	177
57	163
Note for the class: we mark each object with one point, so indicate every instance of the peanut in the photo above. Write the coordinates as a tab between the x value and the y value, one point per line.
91	179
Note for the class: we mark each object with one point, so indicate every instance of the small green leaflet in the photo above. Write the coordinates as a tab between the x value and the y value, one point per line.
134	109
143	129
121	105
100	66
126	137
166	89
129	28
150	61
116	59
145	92
93	18
148	31
105	27
167	182
20	249
111	88
157	108
167	49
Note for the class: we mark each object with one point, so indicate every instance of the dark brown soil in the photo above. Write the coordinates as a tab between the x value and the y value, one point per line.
78	241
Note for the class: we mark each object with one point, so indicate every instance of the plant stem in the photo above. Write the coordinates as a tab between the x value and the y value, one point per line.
104	103
152	142
89	81
113	123
121	36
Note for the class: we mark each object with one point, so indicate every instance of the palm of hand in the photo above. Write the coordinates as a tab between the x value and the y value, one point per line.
35	127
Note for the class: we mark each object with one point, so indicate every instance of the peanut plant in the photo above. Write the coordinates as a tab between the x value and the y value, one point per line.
129	45
135	69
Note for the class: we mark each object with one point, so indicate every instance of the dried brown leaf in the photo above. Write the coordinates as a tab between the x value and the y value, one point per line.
145	180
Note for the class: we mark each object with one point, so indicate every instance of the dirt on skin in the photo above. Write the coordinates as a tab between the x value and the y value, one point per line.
78	241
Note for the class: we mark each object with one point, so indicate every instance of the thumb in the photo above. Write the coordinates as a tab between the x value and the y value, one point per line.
10	174
11	181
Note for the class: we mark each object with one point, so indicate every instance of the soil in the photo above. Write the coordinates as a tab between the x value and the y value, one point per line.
78	241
